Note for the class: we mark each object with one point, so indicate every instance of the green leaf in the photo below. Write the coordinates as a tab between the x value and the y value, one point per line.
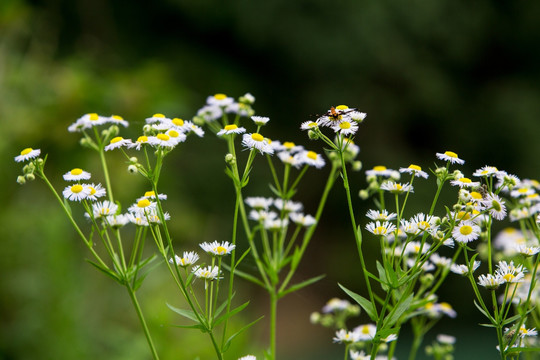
242	257
382	276
230	313
275	191
196	327
230	339
395	314
363	302
522	349
189	314
484	312
107	272
249	277
301	285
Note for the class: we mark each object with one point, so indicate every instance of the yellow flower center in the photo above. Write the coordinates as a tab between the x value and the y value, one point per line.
257	137
379	168
365	329
231	127
465	180
27	151
342	107
116	139
149	193
313	124
462	215
445	306
163	137
466	230
76	171
158	115
450	154
93	116
312	155
92	190
117	117
289	145
345	125
142	139
76	189
220	96
429	306
476	195
423	225
173	133
523	190
380	230
508	277
415	167
178	121
220	250
143	203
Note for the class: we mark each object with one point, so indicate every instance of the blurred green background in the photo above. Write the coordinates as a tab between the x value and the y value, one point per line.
432	76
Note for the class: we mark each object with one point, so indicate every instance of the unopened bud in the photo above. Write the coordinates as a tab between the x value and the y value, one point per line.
363	194
30	177
132	169
21	180
230	159
313	135
357	165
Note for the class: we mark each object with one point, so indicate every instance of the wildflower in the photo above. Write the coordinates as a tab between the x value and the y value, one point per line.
218	249
409	227
27	154
157	118
465	183
521	191
231	129
75	192
76	175
380	229
414	170
141	140
260	120
104	209
197	130
357	116
152	195
466	231
288	205
440	260
311	158
443	308
415	247
275	224
450	156
527	250
117	119
95	191
464	269
309	125
379	170
495	205
176	135
346	337
527	332
187	259
346	128
509	272
259	203
207	273
117	221
287	158
262	215
210	113
486	171
365	332
396	188
221	100
508	239
382	215
118	142
142	206
164	140
258	142
248	357
335	304
87	121
355	355
490	282
138	219
425	222
301	219
446	339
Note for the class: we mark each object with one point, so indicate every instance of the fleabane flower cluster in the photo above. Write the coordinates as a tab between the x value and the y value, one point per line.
82	191
274	214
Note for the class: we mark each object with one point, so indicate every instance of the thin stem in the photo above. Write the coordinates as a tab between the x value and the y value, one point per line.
143	322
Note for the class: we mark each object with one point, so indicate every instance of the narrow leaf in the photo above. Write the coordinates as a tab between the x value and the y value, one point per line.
230	313
230	339
106	271
184	312
395	314
363	302
301	285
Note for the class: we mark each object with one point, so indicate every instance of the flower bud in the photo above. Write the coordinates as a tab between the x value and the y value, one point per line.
133	160
395	175
230	159
357	165
30	177
198	120
313	135
132	169
21	180
363	194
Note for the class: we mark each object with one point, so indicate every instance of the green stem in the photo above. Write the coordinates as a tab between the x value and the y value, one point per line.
143	322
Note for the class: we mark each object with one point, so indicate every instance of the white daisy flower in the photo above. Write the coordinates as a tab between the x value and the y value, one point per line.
486	171
95	191
346	128
275	224
180	125
104	209
118	142
509	272
142	207
465	183
356	355
446	339
210	113
450	156
409	227
231	129
259	202
75	192
309	125
466	231
414	170
248	357
463	269
382	215
301	219
440	260
218	249
443	308
290	159
187	259
163	140
415	247
117	120
357	116
87	121
490	282
527	332
365	332
76	175
138	219
141	140
221	100
425	222
262	215
288	205
176	135
346	337
157	118
258	142
207	273
379	170
377	228
197	130
152	195
495	205
260	120
334	305
311	158
527	250
396	188
117	221
27	154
